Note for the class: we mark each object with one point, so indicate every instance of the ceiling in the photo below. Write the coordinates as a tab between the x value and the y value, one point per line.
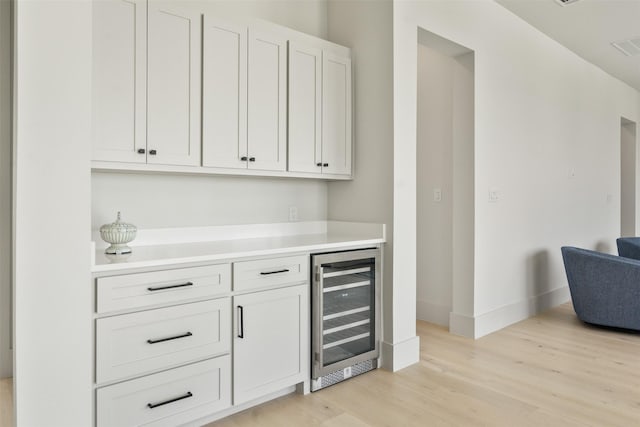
588	27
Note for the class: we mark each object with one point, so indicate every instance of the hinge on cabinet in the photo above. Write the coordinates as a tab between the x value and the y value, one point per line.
317	356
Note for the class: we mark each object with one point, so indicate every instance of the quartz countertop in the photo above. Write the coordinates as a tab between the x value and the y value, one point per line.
164	247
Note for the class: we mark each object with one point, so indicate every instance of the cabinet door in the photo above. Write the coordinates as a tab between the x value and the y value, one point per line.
224	91
267	138
119	80
173	114
305	109
336	114
271	341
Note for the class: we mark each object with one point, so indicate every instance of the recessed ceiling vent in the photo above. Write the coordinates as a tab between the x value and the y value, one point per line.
629	47
565	2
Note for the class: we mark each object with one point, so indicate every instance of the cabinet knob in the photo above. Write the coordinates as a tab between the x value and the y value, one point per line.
319	164
324	165
252	159
153	152
243	158
141	151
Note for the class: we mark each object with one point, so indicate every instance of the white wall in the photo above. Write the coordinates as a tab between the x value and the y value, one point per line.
463	139
53	366
541	112
628	160
444	159
434	171
6	358
366	27
193	200
161	200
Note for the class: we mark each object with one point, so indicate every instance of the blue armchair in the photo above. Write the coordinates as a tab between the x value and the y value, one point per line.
605	289
629	247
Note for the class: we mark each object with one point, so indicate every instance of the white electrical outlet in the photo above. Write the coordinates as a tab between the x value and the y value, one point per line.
293	213
347	372
437	195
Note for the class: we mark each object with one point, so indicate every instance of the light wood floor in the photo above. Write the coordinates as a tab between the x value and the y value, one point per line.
6	402
549	371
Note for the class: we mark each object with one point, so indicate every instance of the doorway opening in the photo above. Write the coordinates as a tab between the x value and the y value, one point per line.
445	183
628	161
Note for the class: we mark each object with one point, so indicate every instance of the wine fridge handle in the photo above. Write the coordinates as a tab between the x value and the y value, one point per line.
318	329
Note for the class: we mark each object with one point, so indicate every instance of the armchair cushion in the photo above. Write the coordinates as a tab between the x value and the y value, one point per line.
605	289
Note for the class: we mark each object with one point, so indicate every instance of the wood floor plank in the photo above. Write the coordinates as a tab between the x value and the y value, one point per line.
550	370
6	402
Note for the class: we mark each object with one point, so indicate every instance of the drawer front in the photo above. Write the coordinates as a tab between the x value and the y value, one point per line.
136	343
168	398
262	273
161	287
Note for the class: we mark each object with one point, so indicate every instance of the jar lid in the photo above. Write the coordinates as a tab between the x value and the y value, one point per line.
118	225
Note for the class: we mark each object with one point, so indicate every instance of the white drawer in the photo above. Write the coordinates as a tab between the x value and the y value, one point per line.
161	287
270	272
194	391
136	343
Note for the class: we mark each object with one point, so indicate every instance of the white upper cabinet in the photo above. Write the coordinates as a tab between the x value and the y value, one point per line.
224	92
175	89
244	98
267	108
319	111
305	108
119	80
173	98
336	114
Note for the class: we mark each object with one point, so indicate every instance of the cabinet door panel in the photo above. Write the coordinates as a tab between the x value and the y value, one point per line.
305	109
336	114
119	80
267	101
274	326
174	84
224	91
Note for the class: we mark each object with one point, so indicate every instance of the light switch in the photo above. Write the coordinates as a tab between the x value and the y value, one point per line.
494	195
437	195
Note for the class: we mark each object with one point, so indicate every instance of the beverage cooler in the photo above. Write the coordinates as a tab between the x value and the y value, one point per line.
345	322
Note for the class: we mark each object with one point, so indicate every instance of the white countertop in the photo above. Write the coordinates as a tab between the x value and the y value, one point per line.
164	247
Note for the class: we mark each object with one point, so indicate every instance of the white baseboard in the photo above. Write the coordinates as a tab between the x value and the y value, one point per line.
432	312
400	355
499	318
460	324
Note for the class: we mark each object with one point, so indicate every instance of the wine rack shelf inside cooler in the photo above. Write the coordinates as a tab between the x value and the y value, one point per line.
347	307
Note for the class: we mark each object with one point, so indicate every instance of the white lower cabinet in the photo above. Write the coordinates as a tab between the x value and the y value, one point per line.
169	398
271	344
163	339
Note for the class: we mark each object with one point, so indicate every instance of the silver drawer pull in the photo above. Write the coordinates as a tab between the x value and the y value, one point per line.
188	334
175	399
266	273
161	288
